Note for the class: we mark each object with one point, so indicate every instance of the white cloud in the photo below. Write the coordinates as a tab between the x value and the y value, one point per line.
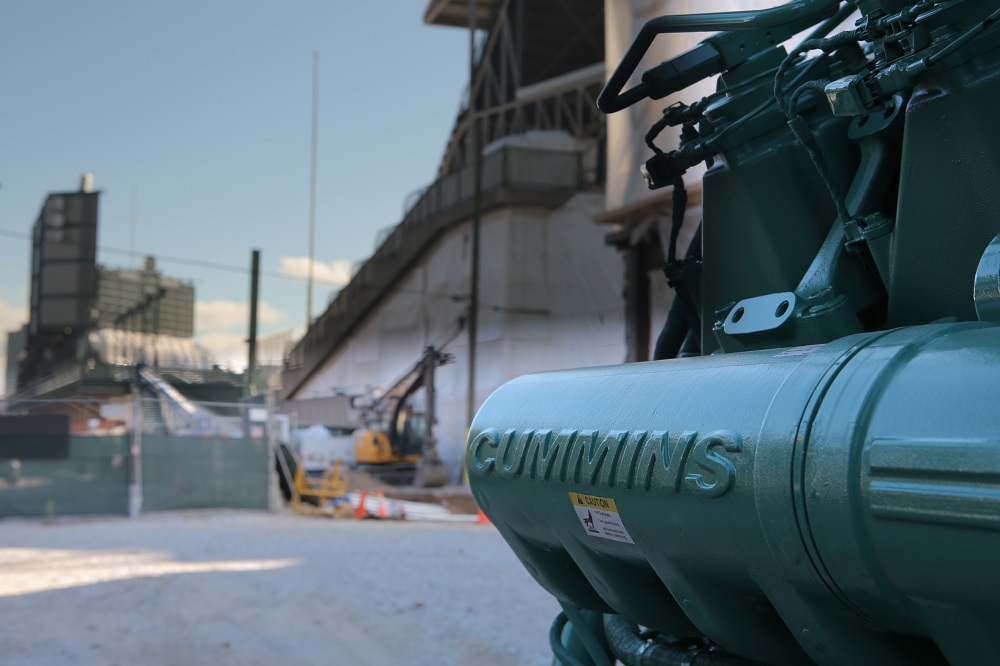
336	273
11	317
224	315
228	349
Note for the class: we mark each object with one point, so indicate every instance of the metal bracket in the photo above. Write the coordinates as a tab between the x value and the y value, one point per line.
761	313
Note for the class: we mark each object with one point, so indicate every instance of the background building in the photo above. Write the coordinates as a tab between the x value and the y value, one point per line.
63	280
98	337
145	301
16	342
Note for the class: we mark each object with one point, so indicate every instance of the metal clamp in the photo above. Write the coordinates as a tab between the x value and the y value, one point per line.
986	291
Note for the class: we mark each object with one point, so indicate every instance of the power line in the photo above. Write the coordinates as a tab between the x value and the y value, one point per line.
242	270
198	263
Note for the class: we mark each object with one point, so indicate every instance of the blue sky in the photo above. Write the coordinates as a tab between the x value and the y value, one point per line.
204	109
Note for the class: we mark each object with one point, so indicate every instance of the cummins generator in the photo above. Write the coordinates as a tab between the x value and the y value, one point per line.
809	472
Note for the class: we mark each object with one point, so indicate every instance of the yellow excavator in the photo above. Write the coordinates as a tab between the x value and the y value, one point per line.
397	444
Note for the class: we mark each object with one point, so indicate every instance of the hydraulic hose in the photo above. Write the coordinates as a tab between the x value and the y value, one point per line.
673	334
632	650
555	642
683	318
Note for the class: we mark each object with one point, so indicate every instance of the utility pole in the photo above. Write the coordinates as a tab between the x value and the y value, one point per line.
312	187
476	204
430	417
131	228
250	385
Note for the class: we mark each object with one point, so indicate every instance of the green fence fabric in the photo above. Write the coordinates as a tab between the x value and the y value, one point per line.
92	480
203	473
177	473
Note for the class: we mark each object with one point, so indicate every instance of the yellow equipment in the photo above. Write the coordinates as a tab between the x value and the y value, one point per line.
397	444
372	447
331	486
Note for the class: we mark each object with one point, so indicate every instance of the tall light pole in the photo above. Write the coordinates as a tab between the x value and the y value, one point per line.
250	379
312	188
476	187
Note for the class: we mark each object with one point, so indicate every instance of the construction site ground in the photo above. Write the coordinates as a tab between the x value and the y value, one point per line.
247	588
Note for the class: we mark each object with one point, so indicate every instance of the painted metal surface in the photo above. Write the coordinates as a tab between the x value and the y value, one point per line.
791	505
986	290
824	486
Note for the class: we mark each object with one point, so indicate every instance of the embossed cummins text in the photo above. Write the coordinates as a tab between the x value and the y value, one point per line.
647	460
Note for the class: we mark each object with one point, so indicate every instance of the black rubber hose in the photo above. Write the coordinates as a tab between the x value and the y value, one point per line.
673	334
631	650
824	28
679	202
691	346
683	319
805	137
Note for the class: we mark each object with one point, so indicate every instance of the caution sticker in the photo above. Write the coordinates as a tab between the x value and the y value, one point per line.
599	517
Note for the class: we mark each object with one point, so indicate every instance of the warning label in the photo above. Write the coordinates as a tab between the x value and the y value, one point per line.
599	517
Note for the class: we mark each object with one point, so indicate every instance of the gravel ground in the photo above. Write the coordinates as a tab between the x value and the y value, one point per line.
238	588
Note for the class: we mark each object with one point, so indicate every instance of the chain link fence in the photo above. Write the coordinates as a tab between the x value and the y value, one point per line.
150	450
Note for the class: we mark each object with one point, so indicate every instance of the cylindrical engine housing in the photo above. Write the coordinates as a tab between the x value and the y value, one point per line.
835	503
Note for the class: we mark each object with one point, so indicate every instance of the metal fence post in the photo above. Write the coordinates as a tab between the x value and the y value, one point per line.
135	451
273	455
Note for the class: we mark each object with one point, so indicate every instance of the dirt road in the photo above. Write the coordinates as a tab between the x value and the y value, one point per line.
225	588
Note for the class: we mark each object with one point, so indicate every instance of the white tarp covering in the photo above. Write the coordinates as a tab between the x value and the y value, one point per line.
116	347
554	140
550	297
321	449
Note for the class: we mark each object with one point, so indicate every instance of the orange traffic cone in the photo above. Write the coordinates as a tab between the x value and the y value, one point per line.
382	513
482	519
360	512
